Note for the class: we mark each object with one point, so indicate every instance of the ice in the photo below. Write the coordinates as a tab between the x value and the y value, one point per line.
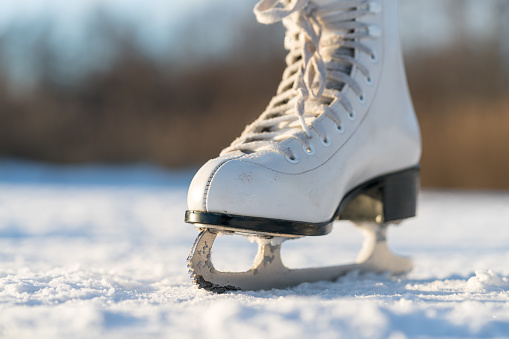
100	251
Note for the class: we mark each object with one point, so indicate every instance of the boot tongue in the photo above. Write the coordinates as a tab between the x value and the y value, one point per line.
340	67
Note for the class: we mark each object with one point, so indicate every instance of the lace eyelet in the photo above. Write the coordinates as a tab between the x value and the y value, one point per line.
293	158
374	57
361	99
339	128
374	31
374	7
309	150
325	141
369	80
351	115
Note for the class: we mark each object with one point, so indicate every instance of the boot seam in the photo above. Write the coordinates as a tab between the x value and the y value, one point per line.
206	190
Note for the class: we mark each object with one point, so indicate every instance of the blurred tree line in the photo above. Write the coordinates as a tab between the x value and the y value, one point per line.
183	111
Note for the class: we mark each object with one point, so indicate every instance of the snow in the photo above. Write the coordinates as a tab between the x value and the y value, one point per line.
101	252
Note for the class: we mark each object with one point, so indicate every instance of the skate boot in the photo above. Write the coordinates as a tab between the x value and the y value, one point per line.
340	140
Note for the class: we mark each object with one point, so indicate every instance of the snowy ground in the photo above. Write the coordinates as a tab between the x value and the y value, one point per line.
101	252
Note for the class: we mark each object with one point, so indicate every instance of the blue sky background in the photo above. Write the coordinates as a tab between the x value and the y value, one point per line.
160	27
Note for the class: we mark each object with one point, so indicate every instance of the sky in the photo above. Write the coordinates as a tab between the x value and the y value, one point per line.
158	24
155	20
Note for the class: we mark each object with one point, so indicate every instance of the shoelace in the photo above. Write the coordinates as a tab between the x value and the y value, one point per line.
309	85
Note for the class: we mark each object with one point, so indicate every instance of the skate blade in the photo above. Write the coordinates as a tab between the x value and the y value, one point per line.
248	233
268	270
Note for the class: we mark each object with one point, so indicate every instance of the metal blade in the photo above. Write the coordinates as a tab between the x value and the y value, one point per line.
268	270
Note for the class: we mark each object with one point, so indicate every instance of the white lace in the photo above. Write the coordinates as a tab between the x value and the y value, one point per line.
309	84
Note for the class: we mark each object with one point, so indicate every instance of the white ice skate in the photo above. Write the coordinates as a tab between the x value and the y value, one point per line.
339	141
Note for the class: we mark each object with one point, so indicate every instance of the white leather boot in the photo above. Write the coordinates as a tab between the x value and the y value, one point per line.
340	140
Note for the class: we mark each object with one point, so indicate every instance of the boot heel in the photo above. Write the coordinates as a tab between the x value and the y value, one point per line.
399	194
388	198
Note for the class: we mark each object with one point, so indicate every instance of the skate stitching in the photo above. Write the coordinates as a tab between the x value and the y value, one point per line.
209	180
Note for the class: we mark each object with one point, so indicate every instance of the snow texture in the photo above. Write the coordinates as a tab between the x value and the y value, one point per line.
89	252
